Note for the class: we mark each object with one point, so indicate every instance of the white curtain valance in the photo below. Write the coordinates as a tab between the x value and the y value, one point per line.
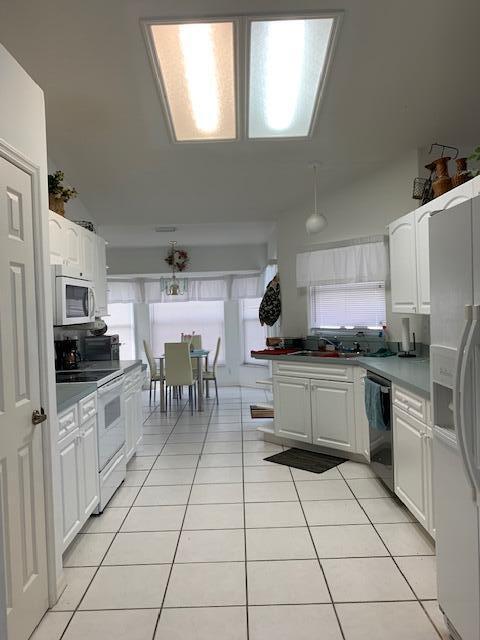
124	291
247	287
201	289
343	265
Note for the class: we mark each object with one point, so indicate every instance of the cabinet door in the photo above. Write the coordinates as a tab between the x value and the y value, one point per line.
100	278
422	219
73	244
56	238
130	414
291	400
410	463
403	264
89	249
91	484
138	415
71	486
333	414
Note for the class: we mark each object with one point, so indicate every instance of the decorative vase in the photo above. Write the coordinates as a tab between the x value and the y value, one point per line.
56	204
463	174
442	182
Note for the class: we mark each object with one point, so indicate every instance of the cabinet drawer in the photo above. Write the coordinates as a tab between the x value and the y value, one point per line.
411	403
87	408
314	371
67	421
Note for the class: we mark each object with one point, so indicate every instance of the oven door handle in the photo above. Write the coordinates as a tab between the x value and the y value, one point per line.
110	386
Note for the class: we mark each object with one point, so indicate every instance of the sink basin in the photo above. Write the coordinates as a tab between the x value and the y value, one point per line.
325	354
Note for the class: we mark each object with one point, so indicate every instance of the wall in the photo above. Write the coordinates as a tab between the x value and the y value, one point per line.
22	126
74	208
363	208
132	261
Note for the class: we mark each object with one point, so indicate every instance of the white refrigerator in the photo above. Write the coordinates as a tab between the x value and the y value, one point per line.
455	367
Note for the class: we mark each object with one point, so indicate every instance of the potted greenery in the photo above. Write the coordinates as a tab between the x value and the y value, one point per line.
58	193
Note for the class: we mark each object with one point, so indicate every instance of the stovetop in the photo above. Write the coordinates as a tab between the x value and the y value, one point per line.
82	376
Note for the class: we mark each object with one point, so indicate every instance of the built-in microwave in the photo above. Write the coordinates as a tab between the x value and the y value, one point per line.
73	297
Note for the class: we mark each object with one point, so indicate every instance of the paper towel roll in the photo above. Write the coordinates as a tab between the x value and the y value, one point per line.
405	334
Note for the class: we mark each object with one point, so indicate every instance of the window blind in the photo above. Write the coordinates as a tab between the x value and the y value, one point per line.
336	306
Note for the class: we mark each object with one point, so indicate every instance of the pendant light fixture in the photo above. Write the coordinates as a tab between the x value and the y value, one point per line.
317	221
174	286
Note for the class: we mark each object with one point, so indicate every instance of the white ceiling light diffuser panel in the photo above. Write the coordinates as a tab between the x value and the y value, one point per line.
288	59
196	66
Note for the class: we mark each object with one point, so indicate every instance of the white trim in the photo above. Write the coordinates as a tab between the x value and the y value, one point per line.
45	337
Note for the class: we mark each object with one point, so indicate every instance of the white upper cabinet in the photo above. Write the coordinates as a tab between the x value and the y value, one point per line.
409	250
403	264
56	235
100	278
72	245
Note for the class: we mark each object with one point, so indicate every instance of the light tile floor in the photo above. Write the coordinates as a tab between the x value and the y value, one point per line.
207	540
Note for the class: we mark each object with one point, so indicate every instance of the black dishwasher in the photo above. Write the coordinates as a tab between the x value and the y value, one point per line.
381	442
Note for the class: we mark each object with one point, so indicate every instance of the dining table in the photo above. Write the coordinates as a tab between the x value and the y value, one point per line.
201	357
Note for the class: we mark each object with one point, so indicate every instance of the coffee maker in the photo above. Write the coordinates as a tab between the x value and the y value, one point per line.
67	355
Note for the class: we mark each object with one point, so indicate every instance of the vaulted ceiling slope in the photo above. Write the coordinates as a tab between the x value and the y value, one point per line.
404	74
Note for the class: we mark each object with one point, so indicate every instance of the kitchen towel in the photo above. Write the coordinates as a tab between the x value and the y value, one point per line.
374	405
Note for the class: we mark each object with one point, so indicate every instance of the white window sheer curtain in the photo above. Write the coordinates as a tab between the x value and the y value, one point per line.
124	291
198	290
359	262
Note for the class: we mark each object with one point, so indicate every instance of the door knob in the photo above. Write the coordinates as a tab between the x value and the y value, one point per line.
39	416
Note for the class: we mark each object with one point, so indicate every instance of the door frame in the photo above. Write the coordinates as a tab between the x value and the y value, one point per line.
45	364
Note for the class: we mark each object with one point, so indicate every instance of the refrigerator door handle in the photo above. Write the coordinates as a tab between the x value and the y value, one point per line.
466	417
457	395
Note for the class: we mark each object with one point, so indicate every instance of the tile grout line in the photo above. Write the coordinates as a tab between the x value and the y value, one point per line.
181	526
416	598
318	558
247	615
76	609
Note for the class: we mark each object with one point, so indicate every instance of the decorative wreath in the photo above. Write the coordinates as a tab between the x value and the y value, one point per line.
179	259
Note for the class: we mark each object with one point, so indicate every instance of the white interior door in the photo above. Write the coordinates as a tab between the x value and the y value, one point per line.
21	465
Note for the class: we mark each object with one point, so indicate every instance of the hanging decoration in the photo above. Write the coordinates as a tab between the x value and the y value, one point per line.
317	221
178	260
271	305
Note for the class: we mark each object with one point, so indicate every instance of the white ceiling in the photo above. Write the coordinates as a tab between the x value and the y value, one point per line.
404	74
198	234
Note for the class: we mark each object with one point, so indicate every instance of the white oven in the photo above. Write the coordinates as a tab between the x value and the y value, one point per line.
111	438
73	297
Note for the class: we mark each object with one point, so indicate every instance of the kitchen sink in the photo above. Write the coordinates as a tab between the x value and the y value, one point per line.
325	354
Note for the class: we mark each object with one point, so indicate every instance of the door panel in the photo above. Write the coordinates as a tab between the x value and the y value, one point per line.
21	464
291	397
333	417
56	239
71	483
91	489
403	264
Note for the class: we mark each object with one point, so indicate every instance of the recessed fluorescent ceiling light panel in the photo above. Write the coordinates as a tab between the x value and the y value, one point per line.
287	66
196	64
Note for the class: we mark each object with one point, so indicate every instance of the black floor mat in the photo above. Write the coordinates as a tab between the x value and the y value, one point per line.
306	460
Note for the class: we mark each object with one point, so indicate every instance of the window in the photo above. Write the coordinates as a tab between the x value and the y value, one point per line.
254	334
169	320
121	322
336	306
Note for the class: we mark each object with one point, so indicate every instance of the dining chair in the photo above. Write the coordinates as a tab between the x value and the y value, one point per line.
154	372
178	370
211	374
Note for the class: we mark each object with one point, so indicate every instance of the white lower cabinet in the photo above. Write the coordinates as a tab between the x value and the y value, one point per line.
133	411
411	464
333	414
79	481
292	408
321	411
71	486
89	457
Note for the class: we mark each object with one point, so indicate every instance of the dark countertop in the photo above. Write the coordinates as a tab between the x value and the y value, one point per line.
69	393
410	373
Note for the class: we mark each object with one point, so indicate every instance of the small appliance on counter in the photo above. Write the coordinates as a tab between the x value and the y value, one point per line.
102	347
67	355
